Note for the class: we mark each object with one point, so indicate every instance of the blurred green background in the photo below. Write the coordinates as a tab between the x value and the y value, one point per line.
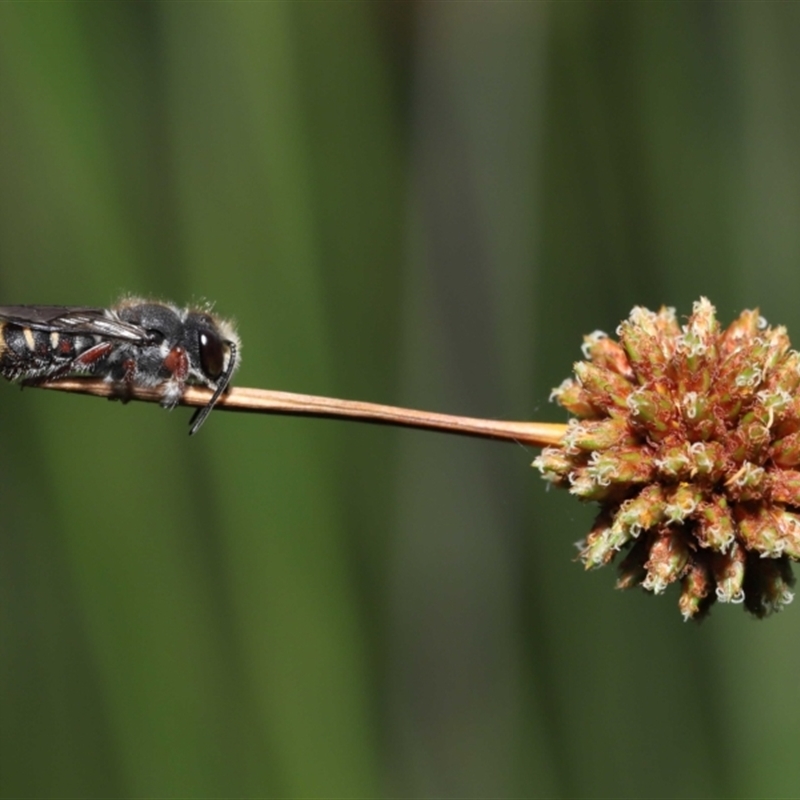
416	203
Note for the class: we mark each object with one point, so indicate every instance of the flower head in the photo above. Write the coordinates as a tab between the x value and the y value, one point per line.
689	439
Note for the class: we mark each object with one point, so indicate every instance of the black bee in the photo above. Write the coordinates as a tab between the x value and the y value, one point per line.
134	343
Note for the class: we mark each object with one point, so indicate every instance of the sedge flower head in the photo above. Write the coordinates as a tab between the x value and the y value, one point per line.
688	437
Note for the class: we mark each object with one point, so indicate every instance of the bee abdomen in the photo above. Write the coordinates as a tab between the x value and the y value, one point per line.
30	353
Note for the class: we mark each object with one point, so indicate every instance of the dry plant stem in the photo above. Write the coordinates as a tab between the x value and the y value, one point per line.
264	401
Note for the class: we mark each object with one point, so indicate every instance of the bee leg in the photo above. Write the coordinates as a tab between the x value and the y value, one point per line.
36	378
80	364
88	358
177	364
124	386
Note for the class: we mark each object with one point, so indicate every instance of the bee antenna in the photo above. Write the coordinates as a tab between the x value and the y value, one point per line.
200	415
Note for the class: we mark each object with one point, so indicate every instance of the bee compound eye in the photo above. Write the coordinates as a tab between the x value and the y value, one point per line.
211	355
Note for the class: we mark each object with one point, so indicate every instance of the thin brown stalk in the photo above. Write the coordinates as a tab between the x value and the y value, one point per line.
265	401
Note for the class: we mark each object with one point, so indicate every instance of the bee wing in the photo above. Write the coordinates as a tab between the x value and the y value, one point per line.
74	320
